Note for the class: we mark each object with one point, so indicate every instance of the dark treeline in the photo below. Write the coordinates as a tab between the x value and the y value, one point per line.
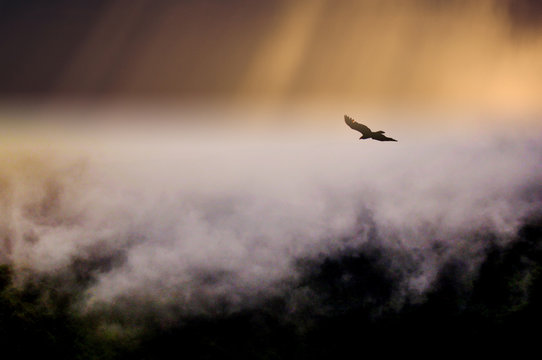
351	310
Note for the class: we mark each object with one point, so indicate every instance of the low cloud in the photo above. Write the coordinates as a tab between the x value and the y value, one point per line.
206	225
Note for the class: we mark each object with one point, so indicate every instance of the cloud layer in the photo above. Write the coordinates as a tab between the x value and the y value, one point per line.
205	225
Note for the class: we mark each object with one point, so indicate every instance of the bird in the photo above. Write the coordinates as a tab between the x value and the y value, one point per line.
365	131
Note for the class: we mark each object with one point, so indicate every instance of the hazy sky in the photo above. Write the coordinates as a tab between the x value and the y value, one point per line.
463	54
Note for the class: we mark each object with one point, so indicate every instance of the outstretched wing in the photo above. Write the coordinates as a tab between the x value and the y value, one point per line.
357	126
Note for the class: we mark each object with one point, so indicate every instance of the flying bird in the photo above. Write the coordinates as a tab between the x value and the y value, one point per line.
365	131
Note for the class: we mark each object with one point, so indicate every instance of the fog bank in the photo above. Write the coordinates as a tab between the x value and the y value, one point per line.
186	224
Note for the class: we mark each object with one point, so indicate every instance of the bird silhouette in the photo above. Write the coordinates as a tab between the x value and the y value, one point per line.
365	131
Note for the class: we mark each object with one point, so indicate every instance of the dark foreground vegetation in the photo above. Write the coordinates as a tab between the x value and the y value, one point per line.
352	310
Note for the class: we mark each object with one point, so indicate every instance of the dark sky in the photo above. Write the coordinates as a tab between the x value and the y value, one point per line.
84	47
240	48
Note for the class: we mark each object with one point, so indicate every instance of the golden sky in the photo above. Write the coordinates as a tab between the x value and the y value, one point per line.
459	54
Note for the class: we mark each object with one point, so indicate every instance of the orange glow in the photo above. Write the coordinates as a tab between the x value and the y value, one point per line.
419	54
